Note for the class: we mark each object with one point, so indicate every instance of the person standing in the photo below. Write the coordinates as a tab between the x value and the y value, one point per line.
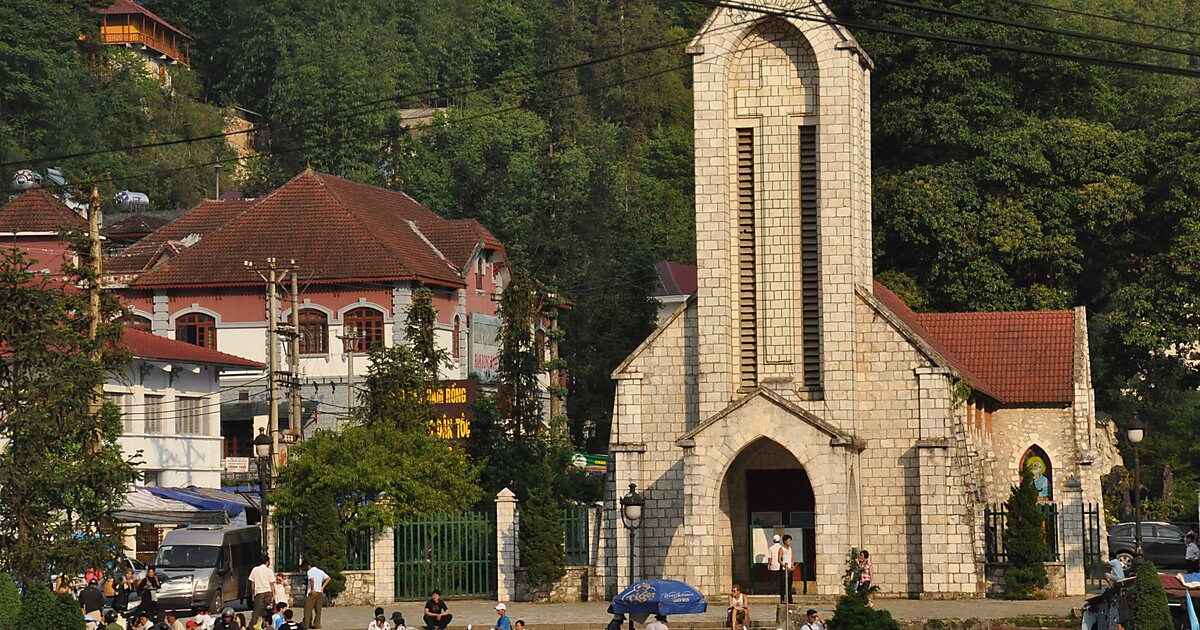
1192	554
147	590
866	572
279	590
814	621
92	601
786	565
262	579
773	563
659	623
316	581
502	623
436	613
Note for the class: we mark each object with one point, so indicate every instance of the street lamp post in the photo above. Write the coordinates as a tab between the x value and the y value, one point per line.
1134	433
262	452
631	514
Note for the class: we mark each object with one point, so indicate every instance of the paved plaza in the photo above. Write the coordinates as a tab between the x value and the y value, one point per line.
480	613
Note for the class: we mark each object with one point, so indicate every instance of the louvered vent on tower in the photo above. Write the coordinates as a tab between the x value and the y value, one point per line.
747	325
810	259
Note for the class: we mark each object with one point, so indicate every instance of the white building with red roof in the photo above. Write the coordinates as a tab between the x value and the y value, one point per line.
359	251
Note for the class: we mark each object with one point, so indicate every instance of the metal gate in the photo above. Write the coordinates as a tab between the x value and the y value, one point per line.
1093	557
453	553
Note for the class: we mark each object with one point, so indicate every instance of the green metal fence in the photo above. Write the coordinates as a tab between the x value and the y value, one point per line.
576	525
289	548
454	553
994	518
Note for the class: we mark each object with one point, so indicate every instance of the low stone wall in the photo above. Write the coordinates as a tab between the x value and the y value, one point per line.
360	589
1055	571
578	585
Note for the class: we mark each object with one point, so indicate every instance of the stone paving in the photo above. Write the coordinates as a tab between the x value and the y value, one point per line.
578	616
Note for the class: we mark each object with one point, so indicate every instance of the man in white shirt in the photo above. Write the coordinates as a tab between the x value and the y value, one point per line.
659	623
773	563
1192	554
262	579
785	567
316	581
814	621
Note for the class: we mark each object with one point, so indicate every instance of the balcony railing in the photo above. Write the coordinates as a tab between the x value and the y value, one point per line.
118	34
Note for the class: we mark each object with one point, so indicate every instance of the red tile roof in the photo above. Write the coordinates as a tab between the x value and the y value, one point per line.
36	210
458	239
144	345
335	230
674	279
200	221
1020	357
124	7
135	224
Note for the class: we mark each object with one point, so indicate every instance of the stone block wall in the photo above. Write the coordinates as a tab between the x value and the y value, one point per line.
1055	571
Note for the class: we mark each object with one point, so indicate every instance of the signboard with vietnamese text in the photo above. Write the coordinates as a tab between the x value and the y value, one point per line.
236	464
451	401
485	347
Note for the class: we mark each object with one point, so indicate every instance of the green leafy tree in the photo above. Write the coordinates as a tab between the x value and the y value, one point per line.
519	363
42	609
420	327
1149	609
63	472
395	391
10	603
1024	542
854	613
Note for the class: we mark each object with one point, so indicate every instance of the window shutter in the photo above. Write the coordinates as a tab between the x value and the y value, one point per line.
810	259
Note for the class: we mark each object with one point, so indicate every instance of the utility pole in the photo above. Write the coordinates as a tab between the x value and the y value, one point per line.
273	276
294	353
96	268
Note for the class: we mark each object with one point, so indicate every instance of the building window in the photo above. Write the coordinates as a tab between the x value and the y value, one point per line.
479	273
122	401
314	332
153	414
152	478
137	322
197	329
368	324
190	418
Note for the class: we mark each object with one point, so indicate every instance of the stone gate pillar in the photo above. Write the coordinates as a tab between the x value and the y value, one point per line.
1074	558
383	564
506	545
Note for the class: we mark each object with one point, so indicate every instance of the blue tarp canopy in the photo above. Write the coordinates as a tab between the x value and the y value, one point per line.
204	499
661	597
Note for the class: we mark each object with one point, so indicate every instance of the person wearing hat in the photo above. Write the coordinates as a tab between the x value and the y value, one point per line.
92	600
379	623
110	621
397	620
814	621
659	623
502	623
774	566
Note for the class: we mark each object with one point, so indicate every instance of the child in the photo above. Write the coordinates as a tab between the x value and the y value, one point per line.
520	624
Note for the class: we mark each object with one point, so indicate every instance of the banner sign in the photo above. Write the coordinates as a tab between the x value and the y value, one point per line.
452	402
485	347
590	463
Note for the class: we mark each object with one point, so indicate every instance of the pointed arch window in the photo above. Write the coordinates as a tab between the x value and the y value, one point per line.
1037	464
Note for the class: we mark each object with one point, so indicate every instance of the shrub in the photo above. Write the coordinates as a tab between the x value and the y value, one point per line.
41	609
853	613
1024	542
323	540
1149	610
541	536
10	603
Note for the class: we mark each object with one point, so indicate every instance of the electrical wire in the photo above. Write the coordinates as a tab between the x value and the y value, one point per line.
1100	16
1037	27
464	89
1123	64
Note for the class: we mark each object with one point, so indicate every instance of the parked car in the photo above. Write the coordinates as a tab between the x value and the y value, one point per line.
1162	544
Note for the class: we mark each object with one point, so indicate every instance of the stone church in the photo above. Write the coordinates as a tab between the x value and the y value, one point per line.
794	394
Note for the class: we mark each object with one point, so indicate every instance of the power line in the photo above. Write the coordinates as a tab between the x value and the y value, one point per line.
1037	27
962	41
466	87
1100	16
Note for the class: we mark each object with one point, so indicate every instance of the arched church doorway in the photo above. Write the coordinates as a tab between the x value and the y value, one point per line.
766	491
